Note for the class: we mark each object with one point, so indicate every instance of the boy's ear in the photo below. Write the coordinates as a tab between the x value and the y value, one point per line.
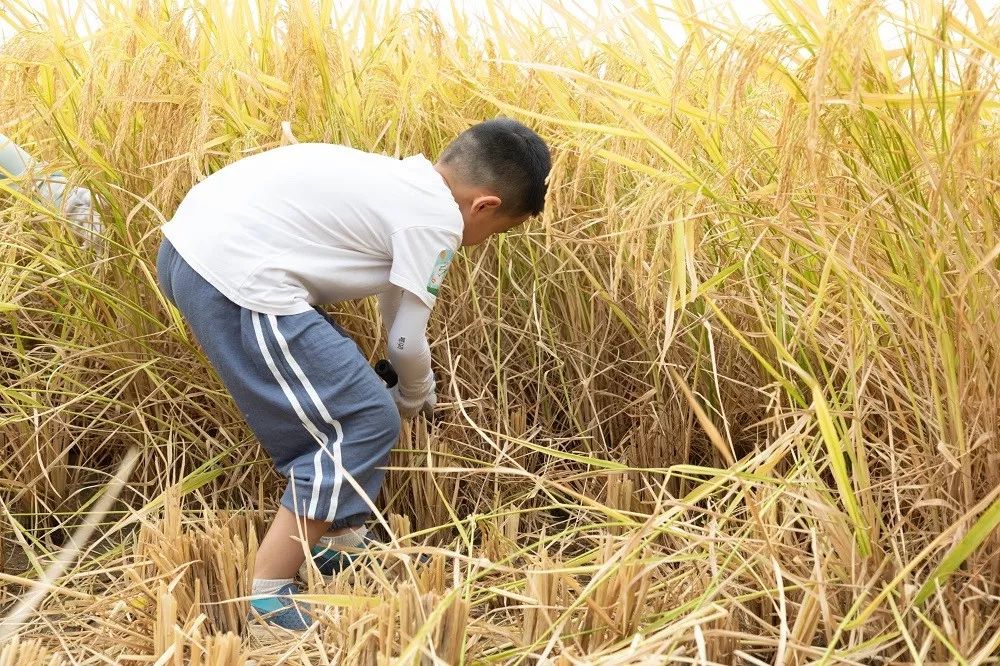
485	201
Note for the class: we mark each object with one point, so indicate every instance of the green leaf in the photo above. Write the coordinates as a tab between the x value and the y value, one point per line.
961	550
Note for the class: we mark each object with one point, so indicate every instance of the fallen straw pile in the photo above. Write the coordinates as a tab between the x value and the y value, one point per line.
733	399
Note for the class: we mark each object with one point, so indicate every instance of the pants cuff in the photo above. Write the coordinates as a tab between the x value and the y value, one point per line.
351	521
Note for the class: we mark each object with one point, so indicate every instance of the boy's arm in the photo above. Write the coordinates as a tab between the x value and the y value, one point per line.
420	258
388	305
76	204
405	316
13	160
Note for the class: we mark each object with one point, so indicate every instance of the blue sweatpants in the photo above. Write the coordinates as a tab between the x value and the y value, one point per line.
305	389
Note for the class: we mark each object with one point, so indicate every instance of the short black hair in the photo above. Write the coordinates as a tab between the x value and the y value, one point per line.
506	156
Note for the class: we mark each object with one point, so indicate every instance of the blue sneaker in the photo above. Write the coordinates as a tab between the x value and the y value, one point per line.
279	611
330	561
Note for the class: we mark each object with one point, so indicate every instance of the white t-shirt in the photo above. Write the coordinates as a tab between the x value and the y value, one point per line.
315	223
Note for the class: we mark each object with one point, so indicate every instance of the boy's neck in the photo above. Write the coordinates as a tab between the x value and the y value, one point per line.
443	170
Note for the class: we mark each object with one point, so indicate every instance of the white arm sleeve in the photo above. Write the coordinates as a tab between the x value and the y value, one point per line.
77	204
14	162
409	352
388	305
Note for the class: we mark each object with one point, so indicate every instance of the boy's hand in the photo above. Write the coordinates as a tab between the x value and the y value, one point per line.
427	409
408	407
79	208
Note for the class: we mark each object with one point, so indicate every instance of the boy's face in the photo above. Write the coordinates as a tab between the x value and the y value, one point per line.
480	209
482	219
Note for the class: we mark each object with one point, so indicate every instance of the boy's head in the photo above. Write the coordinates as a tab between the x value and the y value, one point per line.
496	171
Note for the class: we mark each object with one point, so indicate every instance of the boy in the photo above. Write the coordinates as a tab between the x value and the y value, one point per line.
257	245
76	204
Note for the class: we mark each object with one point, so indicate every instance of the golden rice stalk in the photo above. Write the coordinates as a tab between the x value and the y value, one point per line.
732	398
178	645
202	559
217	650
27	652
431	625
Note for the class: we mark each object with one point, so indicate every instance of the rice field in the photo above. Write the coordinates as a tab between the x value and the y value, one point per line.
733	398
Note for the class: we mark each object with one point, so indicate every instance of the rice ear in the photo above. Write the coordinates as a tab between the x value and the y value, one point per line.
732	398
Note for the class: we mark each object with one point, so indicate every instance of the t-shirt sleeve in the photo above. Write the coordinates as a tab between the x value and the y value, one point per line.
420	260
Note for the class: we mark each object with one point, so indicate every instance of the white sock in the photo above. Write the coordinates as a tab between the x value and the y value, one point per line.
268	585
353	538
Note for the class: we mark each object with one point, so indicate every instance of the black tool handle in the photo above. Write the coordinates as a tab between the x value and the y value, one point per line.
388	374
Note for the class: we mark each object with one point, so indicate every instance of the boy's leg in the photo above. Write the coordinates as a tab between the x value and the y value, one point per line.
310	397
275	558
350	530
342	402
336	397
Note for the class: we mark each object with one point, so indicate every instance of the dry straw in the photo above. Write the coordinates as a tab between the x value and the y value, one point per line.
733	398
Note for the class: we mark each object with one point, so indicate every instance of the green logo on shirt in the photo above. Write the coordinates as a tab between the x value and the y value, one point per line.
439	270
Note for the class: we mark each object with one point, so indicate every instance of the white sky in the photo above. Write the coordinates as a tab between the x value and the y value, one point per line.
748	11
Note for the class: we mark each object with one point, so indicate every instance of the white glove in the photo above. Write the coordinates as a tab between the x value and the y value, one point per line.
410	407
79	208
